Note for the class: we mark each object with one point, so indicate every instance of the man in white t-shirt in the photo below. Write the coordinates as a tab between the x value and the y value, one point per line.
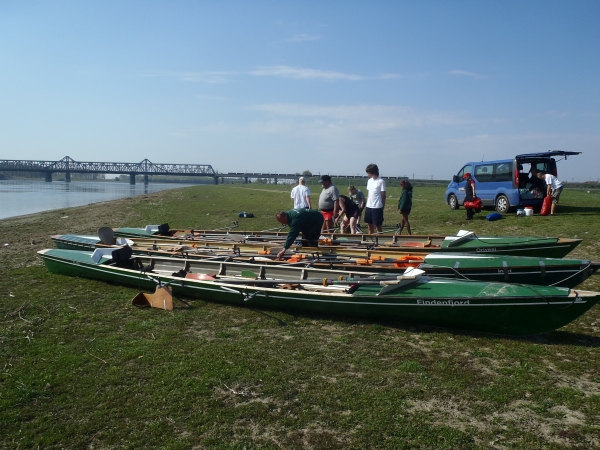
301	195
554	188
375	200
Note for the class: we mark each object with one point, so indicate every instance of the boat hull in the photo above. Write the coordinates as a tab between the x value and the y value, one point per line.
482	307
496	268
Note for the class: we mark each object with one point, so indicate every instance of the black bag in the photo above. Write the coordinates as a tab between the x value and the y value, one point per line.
122	256
163	229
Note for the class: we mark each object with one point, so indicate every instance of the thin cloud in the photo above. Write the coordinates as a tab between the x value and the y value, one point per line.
213	97
213	77
303	38
389	76
303	73
558	114
369	118
474	75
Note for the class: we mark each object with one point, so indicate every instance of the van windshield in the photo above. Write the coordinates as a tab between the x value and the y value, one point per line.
467	169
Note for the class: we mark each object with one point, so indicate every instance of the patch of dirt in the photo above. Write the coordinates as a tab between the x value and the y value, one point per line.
519	414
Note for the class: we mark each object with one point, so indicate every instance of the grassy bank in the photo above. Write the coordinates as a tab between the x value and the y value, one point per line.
82	368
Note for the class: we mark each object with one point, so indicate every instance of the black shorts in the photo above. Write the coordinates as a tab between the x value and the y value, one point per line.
310	239
374	216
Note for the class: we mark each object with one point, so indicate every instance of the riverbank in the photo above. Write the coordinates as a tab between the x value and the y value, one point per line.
85	369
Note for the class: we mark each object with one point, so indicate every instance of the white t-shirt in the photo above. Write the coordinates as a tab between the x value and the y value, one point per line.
551	180
375	187
299	194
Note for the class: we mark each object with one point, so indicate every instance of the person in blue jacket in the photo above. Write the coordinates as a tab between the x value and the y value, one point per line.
306	221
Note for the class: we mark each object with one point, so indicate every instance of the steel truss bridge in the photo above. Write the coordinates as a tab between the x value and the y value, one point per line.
67	165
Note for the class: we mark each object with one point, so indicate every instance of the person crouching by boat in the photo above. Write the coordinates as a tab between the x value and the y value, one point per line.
405	205
554	188
348	209
470	194
306	221
359	200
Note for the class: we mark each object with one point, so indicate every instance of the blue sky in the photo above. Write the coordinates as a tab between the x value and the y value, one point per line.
416	87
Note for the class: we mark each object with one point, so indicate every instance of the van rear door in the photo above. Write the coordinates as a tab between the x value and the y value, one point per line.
548	154
544	161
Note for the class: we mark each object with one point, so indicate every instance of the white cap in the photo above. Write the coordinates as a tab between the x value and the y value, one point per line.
301	179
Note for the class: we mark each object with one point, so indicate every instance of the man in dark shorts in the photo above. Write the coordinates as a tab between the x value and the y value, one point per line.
306	221
375	199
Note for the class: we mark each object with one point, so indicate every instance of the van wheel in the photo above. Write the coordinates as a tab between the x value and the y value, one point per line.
453	202
502	204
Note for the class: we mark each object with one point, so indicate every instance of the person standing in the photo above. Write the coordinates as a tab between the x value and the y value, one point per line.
470	194
350	210
306	221
359	200
405	205
375	199
554	188
328	203
301	195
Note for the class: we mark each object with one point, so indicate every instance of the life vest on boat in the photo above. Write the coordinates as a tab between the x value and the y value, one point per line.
408	261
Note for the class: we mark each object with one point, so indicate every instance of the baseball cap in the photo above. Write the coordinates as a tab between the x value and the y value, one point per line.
325	178
301	179
466	175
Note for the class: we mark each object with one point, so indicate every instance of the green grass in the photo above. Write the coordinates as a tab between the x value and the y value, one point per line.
82	368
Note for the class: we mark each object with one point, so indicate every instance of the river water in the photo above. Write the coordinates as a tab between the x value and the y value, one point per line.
20	197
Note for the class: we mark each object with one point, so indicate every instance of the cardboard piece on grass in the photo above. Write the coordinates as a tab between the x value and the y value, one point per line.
162	299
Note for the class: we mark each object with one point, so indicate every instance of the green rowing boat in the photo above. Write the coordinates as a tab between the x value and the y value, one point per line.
479	267
414	298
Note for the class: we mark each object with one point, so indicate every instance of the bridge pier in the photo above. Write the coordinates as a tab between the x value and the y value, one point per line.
145	179
245	180
67	177
274	180
132	179
48	177
216	180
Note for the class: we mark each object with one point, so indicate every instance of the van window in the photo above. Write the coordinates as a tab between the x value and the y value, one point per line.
484	173
541	166
503	171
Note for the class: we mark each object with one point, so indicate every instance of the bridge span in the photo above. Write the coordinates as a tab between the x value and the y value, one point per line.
69	165
145	168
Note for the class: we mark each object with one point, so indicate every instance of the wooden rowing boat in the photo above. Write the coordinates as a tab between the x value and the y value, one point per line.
414	298
463	242
481	267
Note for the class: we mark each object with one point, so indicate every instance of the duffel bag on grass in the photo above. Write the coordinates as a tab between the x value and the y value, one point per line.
474	204
546	206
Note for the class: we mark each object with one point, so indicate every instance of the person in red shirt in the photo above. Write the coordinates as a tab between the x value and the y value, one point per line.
470	194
